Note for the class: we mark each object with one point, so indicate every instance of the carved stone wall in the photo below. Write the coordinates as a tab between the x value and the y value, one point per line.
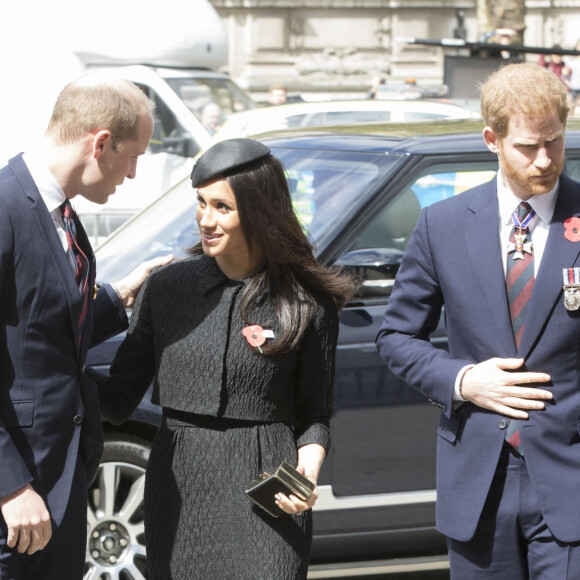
339	45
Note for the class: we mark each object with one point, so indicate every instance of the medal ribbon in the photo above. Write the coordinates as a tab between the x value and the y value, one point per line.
571	276
523	225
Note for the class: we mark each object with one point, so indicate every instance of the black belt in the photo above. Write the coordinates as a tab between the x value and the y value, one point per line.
175	418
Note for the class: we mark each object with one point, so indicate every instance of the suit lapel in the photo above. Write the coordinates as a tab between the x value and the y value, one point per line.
53	244
482	243
559	253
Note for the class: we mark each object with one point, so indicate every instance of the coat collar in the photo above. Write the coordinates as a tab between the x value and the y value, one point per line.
559	253
482	227
211	277
54	247
482	239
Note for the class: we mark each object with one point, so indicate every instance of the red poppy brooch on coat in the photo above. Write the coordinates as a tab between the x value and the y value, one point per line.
572	229
256	335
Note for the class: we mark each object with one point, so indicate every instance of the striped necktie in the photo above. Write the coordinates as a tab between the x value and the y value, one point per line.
519	283
79	258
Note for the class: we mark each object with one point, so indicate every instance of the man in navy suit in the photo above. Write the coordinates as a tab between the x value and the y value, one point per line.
50	425
508	453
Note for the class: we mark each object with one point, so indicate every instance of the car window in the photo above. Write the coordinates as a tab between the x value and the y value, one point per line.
421	116
383	240
295	120
443	181
317	194
99	225
196	93
167	226
572	169
345	117
326	186
165	123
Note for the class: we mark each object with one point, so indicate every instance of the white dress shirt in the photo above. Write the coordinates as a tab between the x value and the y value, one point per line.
51	193
53	196
538	229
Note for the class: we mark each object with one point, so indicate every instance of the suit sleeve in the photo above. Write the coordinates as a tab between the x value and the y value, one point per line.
133	367
412	314
15	473
316	377
109	316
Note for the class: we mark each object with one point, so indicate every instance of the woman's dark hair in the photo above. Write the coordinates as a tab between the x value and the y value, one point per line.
291	272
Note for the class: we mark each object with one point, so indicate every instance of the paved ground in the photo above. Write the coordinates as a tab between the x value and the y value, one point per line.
439	575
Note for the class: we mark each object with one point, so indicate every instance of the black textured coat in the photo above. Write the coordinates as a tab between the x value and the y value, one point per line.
186	330
230	413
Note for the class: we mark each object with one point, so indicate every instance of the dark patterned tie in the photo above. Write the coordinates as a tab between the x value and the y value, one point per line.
80	260
519	283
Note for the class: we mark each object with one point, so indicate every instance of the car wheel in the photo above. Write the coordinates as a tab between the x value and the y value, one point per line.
116	531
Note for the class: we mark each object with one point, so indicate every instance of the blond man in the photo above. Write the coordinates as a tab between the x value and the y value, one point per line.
50	426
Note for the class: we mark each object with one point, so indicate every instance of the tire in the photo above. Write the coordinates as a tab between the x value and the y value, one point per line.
116	532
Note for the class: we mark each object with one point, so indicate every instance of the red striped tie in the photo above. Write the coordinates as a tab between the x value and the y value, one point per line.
519	283
80	260
520	272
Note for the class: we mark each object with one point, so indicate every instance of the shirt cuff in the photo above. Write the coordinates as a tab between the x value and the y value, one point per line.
457	390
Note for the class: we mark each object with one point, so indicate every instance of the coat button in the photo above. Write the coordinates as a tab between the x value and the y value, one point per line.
502	424
78	419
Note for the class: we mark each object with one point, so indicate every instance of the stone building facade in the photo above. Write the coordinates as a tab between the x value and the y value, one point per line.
337	46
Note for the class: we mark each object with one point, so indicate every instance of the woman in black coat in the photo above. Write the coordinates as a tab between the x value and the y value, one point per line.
240	339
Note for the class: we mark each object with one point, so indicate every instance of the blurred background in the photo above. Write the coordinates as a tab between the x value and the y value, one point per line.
224	68
315	49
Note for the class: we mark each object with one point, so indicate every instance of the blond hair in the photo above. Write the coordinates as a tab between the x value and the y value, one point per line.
521	88
96	102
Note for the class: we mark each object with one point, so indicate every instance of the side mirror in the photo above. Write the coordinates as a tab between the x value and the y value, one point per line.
376	268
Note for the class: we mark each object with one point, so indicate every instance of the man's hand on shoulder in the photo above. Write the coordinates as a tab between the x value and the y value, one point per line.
128	287
496	385
27	519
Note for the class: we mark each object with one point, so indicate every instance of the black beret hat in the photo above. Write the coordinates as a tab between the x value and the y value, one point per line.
225	158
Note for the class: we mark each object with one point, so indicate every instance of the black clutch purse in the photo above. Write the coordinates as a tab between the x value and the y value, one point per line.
285	479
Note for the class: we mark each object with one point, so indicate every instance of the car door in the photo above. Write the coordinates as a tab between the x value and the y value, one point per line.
380	475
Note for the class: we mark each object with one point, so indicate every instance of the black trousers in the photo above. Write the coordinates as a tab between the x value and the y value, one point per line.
63	558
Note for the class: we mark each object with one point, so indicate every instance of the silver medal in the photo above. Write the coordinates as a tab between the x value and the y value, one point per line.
572	297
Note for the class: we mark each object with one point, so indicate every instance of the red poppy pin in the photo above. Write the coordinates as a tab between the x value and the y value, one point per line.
572	229
256	335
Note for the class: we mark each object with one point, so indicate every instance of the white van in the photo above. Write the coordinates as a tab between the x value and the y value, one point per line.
175	53
175	56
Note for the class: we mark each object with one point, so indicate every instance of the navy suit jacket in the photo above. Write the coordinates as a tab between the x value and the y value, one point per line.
454	260
48	409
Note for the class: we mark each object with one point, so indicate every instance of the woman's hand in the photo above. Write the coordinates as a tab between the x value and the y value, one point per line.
292	504
310	458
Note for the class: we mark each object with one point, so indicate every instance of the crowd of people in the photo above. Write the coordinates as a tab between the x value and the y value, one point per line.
566	68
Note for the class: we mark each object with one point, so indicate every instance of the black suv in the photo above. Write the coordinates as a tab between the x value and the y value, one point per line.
359	191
